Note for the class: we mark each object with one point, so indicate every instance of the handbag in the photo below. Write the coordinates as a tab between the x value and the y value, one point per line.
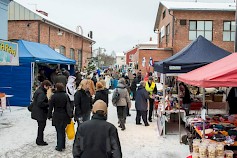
30	107
70	130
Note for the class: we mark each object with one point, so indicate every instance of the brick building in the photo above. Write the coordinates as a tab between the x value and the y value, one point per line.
129	57
146	50
178	23
36	26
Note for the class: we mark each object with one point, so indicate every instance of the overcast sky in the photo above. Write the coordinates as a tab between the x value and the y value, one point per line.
116	24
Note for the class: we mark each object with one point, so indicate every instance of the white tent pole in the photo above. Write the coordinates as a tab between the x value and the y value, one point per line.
179	112
203	105
163	110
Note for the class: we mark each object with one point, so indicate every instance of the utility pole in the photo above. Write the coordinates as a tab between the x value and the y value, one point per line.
236	26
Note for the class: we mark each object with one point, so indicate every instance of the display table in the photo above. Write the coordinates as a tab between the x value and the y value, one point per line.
176	111
216	105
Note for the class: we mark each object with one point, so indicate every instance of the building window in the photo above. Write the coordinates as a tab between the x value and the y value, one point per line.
130	57
72	53
167	33
203	28
62	50
164	14
229	31
160	38
122	59
79	59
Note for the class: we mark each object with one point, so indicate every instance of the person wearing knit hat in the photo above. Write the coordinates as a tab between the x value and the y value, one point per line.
91	143
151	89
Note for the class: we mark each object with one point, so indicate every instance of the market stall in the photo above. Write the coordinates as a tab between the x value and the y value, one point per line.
198	53
20	79
222	73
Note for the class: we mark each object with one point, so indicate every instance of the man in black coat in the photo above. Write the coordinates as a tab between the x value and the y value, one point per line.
97	138
40	110
134	86
60	78
141	104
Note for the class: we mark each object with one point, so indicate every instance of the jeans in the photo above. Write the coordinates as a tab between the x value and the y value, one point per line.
40	134
61	136
142	114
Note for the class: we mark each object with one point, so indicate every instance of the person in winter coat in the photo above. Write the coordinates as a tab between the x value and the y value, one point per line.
40	110
123	102
232	100
97	138
58	104
134	86
60	78
185	96
127	83
141	104
71	90
151	88
94	79
83	102
101	93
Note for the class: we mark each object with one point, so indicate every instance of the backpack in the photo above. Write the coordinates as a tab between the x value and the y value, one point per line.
116	97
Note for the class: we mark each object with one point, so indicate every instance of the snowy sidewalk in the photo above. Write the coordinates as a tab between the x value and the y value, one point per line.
18	132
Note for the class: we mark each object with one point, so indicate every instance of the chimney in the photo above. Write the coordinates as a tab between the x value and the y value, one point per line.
42	12
150	38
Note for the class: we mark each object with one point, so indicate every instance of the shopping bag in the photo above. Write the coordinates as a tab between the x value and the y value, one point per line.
70	130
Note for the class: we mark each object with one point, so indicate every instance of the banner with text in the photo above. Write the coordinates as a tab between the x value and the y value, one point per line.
9	53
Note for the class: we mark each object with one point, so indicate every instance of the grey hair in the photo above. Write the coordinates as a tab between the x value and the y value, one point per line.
121	80
142	83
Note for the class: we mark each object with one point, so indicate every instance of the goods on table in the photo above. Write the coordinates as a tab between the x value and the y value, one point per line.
229	154
202	150
219	149
195	155
211	151
196	144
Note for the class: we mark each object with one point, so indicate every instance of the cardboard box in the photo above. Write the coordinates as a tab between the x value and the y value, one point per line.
218	98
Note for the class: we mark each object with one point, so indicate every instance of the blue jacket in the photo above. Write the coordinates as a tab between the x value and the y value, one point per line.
141	99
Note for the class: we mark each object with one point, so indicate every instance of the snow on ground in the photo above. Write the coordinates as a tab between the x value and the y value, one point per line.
18	132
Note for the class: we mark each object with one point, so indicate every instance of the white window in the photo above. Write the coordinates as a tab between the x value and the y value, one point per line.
62	50
229	31
72	53
203	28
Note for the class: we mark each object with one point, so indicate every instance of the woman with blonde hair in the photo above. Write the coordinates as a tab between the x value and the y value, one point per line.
83	102
101	92
91	86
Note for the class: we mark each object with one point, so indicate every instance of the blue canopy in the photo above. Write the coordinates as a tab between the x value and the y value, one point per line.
17	80
40	53
198	53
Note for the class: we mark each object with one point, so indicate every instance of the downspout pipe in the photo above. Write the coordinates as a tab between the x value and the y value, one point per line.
173	18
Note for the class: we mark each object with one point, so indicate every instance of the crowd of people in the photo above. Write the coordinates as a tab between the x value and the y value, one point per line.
78	96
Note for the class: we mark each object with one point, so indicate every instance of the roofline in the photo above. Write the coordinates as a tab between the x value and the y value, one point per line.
130	50
185	9
65	29
155	48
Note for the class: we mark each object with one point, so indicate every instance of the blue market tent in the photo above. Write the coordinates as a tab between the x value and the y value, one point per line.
18	80
198	53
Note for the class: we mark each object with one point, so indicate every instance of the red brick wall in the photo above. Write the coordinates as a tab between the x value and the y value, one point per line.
157	55
132	52
49	35
182	32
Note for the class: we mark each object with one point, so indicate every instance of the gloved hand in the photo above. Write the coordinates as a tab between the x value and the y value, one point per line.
80	120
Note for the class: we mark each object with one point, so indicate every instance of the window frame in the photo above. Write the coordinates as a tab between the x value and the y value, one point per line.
203	31
72	53
229	31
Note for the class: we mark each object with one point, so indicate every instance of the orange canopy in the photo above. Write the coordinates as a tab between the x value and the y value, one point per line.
221	73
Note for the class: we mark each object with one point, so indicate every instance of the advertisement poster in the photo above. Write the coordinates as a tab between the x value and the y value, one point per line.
9	53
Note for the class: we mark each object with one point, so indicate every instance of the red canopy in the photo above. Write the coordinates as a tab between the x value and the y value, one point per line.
221	73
